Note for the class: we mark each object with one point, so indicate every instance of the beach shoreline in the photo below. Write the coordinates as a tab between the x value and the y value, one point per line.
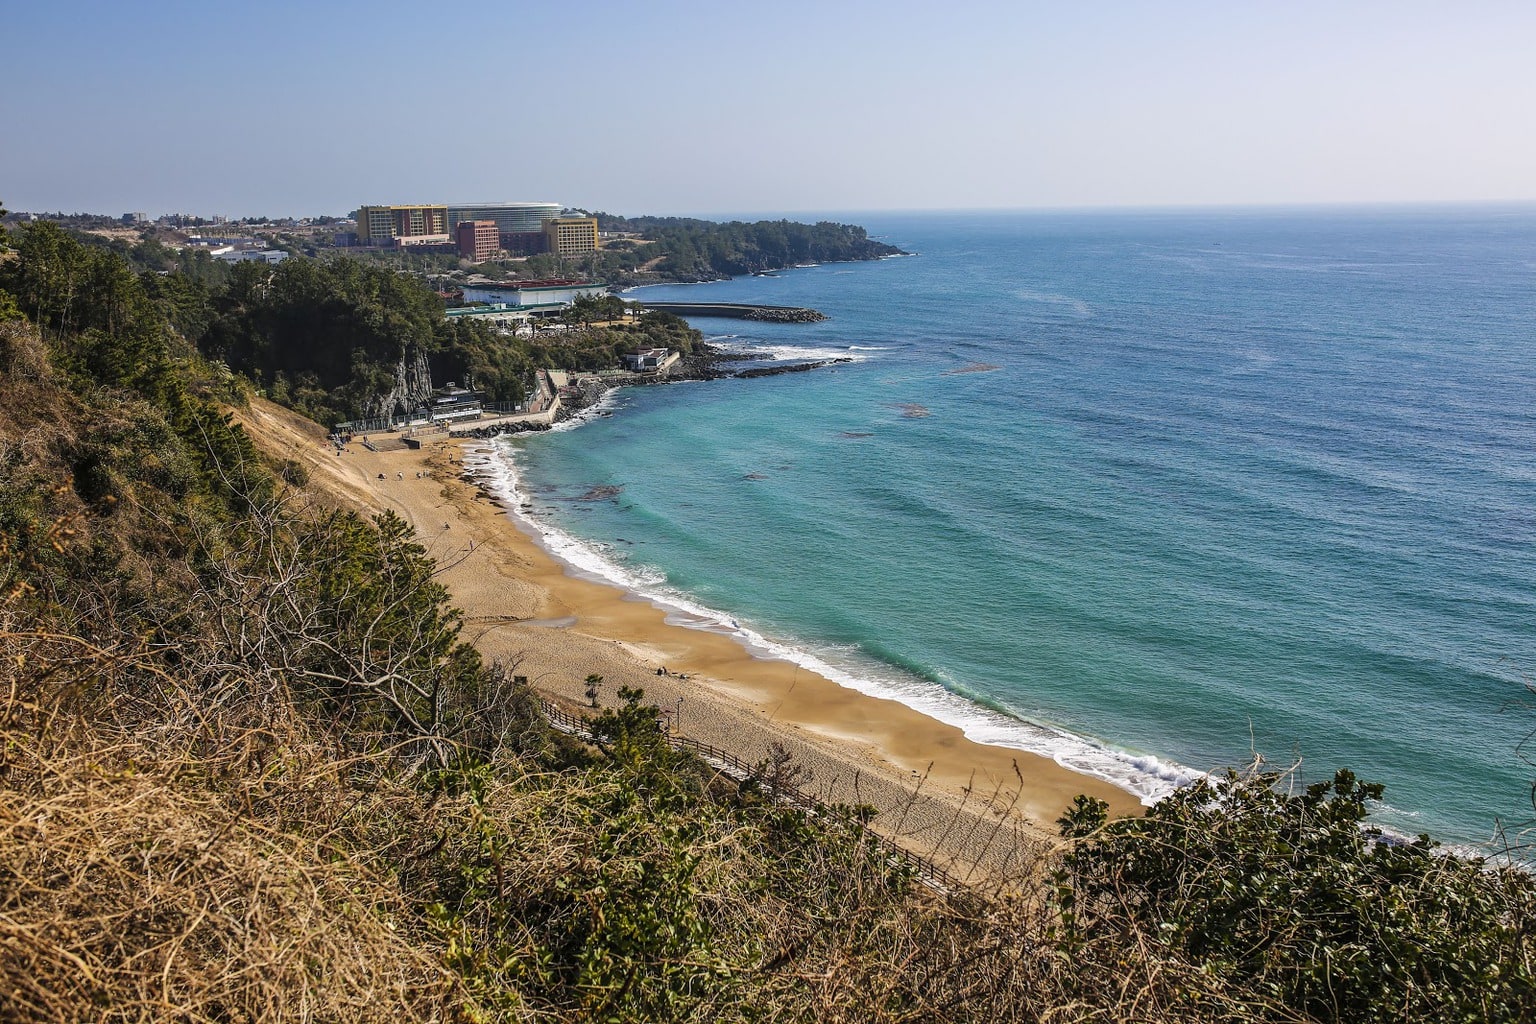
1148	778
965	804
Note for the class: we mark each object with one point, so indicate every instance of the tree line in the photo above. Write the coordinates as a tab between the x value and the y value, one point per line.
327	338
697	249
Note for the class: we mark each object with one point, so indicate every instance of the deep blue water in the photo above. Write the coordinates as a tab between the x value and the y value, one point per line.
1239	481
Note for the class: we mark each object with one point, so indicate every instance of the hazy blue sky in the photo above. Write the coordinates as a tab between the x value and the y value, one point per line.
670	107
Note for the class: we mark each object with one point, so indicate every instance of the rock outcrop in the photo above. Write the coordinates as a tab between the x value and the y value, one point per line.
773	315
411	390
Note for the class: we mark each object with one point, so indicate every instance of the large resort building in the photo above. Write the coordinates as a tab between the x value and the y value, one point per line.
519	226
570	236
479	230
403	225
510	218
478	239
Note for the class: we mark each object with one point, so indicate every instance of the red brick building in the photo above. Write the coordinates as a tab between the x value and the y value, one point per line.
478	239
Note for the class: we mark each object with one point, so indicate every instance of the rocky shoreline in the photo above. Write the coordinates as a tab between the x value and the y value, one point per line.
741	311
708	364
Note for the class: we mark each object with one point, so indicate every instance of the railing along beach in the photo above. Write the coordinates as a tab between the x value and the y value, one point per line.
727	763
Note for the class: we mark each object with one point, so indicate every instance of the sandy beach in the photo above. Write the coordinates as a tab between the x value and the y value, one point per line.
938	793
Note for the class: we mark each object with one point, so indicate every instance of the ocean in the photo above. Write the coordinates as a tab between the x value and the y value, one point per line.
1149	492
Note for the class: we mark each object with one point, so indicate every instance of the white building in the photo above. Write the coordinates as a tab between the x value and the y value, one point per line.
251	255
534	293
649	360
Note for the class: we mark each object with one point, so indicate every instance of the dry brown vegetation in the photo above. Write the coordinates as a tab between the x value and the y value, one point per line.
248	772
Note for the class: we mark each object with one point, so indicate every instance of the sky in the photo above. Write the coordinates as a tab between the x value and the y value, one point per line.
297	109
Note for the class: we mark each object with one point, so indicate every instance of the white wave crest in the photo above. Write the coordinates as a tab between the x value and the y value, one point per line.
763	350
605	403
1147	777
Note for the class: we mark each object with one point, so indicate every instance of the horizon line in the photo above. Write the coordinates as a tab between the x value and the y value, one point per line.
1235	206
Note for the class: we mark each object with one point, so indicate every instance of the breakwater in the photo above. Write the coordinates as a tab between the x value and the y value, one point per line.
740	311
586	390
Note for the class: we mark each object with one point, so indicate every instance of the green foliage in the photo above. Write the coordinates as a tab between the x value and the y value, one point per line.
701	250
616	927
591	309
1296	899
382	642
92	304
340	329
631	734
499	366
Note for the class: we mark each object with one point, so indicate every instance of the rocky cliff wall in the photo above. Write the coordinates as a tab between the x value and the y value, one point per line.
411	390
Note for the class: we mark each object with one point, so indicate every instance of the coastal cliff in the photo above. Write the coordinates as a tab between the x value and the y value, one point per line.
685	250
411	388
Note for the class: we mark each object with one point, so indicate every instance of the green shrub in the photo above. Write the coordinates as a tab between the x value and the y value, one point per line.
1298	901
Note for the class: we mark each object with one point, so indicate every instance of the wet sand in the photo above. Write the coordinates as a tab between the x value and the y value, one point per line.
937	792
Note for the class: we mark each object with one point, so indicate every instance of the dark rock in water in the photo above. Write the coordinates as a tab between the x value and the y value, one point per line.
742	311
602	493
773	371
486	433
785	316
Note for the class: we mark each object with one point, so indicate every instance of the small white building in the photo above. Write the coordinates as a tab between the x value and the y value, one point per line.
650	360
454	403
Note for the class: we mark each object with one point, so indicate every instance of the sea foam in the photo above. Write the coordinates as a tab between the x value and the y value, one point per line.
1149	778
768	351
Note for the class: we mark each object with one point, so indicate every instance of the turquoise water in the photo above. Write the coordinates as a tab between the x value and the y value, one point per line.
1240	481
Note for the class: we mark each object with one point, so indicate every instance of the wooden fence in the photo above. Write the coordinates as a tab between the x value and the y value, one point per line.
727	763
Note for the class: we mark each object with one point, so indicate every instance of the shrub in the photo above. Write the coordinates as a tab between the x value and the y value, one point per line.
1295	899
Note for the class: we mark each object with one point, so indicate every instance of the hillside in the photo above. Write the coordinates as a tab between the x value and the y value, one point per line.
251	769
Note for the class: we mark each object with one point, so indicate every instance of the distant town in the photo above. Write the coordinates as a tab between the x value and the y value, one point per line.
453	244
471	233
475	233
356	321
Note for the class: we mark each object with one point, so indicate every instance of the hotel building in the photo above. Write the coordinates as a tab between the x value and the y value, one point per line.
510	218
570	236
478	239
403	225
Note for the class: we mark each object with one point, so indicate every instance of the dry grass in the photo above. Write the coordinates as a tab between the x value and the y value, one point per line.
139	881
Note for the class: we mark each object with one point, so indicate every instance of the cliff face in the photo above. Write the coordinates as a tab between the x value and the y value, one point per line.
412	386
